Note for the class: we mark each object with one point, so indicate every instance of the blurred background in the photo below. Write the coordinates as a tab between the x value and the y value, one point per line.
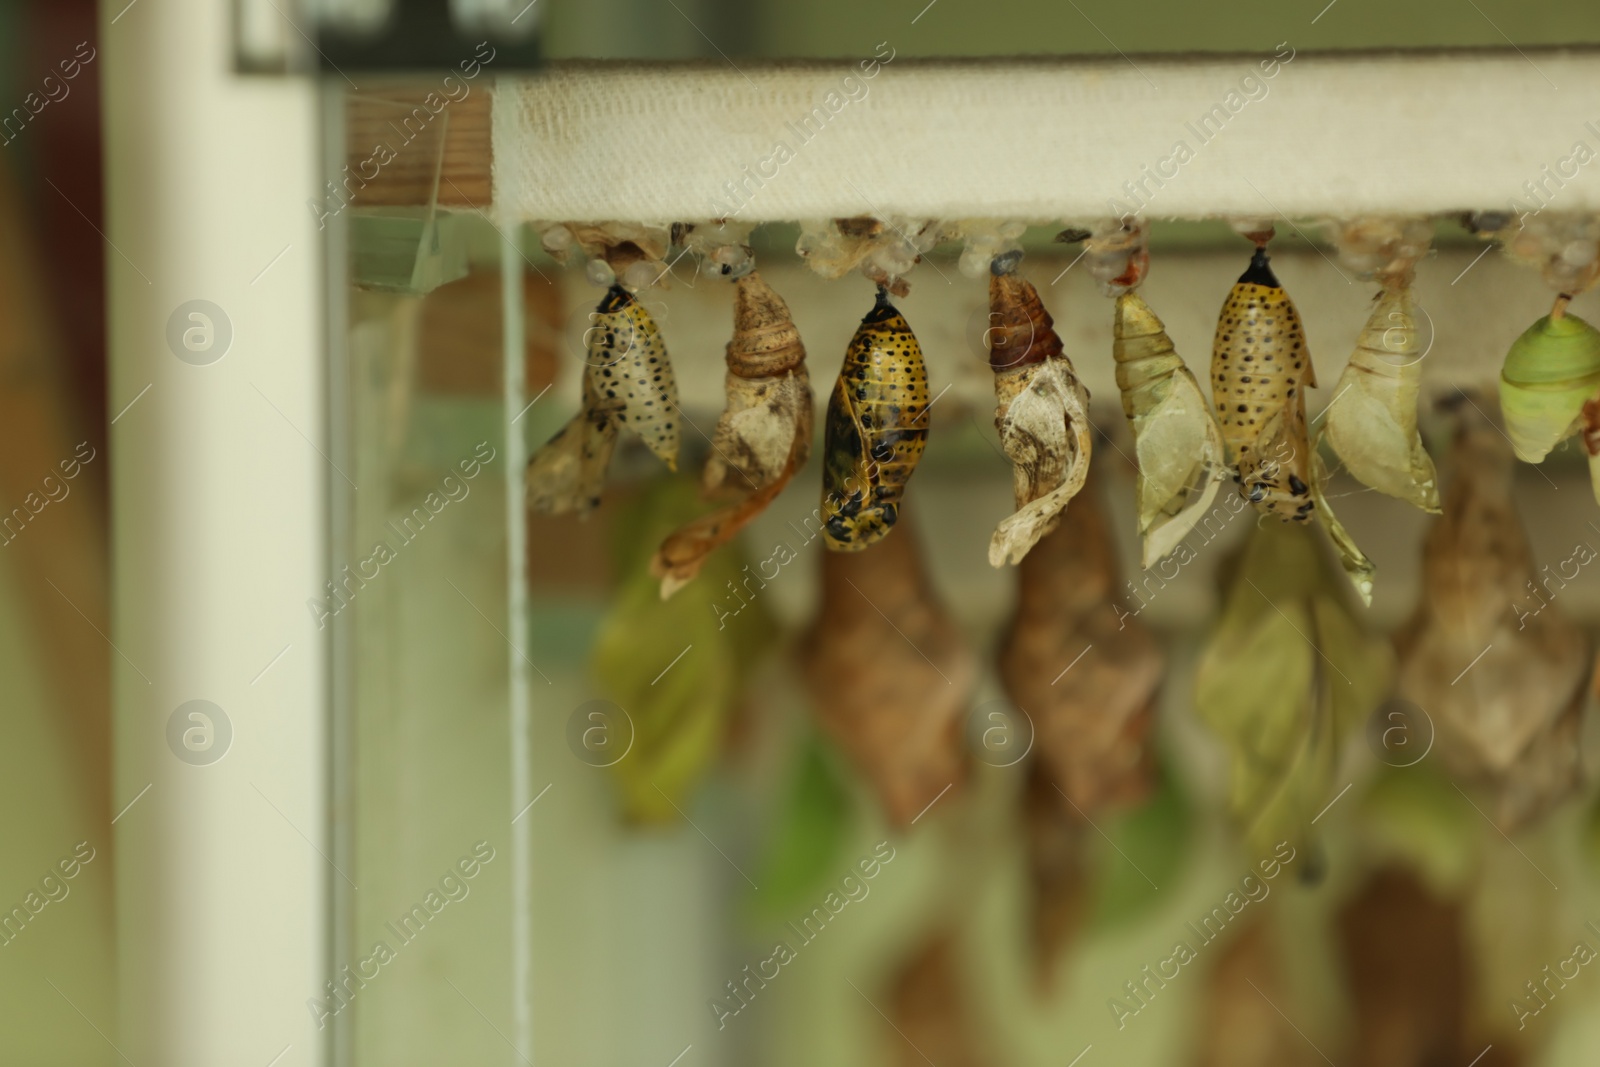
54	605
1430	917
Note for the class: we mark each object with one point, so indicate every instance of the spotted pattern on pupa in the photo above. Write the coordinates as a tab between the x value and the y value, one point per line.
876	429
628	367
1260	370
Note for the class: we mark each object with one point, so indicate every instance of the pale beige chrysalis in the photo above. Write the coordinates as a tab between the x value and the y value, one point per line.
769	403
1041	413
1371	423
1176	440
762	438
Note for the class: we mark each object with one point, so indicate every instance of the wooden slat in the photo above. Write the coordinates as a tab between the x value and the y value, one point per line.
394	140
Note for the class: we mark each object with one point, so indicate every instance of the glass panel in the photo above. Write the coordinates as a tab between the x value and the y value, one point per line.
730	857
420	606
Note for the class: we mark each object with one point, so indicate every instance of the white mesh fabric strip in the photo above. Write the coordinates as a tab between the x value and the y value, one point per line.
1043	139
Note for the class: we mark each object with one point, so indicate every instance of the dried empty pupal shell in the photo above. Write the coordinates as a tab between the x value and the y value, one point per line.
1179	448
769	391
890	674
627	383
764	434
1041	412
1551	371
569	472
877	426
1499	669
1372	421
1287	673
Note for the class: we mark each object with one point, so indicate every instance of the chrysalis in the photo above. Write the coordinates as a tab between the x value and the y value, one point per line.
810	829
877	426
1550	386
1088	681
1371	423
1260	370
890	674
628	364
569	472
1179	448
764	432
1550	374
1041	413
763	436
627	382
1287	673
668	727
1511	720
1091	722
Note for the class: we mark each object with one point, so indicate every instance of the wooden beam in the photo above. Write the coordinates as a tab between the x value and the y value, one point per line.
397	132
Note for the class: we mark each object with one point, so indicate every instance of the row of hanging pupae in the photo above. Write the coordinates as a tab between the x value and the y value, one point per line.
878	415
